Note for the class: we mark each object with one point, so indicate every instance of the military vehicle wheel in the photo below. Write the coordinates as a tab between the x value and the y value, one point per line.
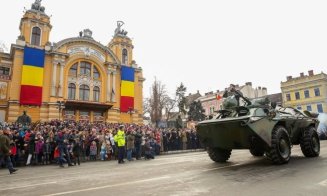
280	150
257	152
310	144
219	155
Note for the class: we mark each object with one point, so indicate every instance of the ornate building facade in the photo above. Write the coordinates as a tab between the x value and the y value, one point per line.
74	79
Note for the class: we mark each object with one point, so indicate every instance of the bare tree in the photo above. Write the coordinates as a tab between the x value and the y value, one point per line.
158	102
170	105
146	106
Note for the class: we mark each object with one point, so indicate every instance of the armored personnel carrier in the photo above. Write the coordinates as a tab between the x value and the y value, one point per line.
260	126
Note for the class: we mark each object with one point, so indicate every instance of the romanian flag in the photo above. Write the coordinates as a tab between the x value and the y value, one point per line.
32	77
218	97
127	89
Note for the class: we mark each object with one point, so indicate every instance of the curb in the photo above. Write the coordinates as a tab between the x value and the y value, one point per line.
180	152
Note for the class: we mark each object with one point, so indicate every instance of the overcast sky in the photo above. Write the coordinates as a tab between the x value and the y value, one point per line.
206	44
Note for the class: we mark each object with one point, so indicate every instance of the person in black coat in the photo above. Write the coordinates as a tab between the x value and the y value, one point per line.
77	151
31	147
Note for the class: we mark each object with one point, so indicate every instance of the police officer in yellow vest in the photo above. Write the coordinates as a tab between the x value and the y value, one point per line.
120	141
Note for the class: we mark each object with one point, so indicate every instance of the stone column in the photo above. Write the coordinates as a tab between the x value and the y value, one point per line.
54	79
108	84
113	96
61	80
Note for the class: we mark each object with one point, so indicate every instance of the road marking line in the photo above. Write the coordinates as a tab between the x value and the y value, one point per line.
31	185
108	186
205	170
323	183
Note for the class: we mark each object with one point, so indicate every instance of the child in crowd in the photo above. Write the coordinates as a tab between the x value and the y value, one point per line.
13	155
103	151
109	150
56	154
39	149
93	151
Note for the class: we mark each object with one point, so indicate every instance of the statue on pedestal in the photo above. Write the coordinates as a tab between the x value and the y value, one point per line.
179	122
24	119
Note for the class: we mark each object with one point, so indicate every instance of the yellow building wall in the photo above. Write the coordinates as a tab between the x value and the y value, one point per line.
49	109
301	84
28	23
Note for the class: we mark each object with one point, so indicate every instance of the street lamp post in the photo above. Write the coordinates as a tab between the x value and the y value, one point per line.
130	111
61	105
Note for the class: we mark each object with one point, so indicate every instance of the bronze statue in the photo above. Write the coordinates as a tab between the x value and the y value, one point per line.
24	119
37	6
179	122
118	30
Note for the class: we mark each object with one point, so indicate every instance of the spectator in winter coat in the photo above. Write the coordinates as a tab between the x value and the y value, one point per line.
103	151
31	147
77	151
93	151
138	142
130	145
13	155
148	150
109	150
39	150
47	151
5	150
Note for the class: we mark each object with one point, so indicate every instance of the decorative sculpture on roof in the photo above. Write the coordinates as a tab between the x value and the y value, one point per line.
37	6
118	30
87	33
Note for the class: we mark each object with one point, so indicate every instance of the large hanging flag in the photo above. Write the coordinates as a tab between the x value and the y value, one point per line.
127	89
32	77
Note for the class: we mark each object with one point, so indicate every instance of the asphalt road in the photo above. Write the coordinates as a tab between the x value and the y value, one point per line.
176	174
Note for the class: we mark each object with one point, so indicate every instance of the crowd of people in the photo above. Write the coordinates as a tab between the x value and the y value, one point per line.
60	142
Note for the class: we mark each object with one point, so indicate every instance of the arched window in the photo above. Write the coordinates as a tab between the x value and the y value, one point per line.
84	92
96	74
36	36
125	57
96	94
85	68
73	70
71	91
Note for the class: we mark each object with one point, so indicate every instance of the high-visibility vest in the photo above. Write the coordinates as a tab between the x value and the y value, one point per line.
120	138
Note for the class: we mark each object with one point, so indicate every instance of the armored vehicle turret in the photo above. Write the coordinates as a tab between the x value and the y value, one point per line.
260	126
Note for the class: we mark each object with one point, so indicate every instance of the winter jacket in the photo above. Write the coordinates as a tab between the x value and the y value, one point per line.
4	145
120	138
130	142
76	149
93	150
39	147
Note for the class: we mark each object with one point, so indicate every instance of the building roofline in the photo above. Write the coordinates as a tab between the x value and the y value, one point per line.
63	42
